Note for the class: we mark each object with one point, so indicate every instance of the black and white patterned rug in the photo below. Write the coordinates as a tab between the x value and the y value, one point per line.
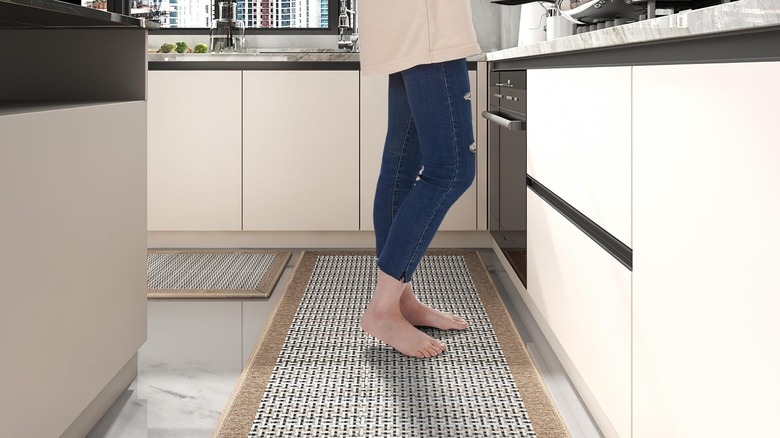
333	380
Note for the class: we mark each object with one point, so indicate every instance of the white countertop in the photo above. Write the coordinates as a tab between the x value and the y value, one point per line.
738	15
262	55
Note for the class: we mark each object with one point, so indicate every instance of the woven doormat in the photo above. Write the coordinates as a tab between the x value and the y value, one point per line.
207	273
314	373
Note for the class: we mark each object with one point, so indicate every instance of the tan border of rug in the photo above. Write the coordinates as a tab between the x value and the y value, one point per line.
263	289
236	420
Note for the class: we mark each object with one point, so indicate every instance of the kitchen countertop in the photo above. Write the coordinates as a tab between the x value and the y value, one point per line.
725	19
264	59
261	55
257	59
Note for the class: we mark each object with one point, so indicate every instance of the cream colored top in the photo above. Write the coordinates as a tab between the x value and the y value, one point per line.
398	34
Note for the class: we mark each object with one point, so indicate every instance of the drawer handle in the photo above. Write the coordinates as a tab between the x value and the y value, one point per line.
512	125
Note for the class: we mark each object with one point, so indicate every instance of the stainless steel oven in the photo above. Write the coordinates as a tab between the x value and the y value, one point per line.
507	144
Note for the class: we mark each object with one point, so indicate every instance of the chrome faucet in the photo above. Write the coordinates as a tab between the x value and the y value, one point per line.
348	29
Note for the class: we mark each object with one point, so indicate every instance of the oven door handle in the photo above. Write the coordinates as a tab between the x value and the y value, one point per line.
500	120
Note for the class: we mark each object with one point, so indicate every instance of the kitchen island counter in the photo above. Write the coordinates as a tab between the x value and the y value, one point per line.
747	30
73	216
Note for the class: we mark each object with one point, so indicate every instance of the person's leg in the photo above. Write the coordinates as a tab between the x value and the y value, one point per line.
401	160
400	166
456	76
438	101
438	96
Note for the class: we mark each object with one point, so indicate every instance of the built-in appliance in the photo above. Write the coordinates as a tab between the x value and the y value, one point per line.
507	144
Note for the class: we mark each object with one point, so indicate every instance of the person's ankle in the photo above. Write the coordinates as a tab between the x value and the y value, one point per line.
386	280
383	310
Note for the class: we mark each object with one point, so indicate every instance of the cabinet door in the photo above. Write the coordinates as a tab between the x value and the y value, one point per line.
373	128
579	141
301	150
194	150
584	295
706	239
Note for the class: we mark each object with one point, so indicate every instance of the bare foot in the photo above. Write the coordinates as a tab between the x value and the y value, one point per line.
419	314
384	321
395	331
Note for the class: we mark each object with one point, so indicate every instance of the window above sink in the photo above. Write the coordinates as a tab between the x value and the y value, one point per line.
258	16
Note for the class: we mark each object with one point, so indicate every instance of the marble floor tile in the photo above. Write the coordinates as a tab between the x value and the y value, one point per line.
184	400
127	418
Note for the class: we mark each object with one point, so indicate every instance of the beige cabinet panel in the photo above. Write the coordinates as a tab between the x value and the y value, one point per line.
194	163
706	239
373	128
72	259
300	164
579	141
584	295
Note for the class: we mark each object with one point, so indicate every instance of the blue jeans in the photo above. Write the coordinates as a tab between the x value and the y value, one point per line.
427	161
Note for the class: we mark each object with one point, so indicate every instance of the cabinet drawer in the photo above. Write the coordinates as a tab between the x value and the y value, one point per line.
584	296
579	141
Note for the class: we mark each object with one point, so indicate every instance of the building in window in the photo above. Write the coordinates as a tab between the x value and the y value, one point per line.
293	13
254	13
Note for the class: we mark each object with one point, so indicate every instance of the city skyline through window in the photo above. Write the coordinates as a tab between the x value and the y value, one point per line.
255	14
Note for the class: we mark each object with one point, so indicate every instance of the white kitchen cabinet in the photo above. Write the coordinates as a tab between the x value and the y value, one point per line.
300	150
579	147
706	236
579	141
584	295
373	128
194	148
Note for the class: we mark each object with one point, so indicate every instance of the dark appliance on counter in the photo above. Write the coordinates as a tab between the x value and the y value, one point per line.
507	145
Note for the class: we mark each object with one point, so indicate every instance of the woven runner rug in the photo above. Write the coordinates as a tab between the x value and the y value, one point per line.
207	273
314	373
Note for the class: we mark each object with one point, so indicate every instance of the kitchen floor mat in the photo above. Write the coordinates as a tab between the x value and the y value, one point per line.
210	273
314	373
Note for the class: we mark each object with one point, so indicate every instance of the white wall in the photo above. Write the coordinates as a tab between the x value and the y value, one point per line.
487	23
